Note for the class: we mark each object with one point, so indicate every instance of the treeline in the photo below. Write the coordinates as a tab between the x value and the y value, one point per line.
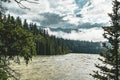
44	44
82	46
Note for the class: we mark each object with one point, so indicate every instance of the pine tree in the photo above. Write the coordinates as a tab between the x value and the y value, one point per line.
18	22
111	68
25	25
14	42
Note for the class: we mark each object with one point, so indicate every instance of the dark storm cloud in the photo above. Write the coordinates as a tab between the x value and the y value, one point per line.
56	23
49	19
89	25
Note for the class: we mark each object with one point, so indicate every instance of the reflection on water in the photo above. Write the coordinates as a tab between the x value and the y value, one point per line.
63	67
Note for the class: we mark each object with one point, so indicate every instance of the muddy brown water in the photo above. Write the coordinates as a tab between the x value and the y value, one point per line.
61	67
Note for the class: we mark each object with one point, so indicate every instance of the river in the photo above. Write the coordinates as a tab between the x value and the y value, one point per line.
61	67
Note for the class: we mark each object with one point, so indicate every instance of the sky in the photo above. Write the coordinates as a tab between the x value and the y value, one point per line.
68	19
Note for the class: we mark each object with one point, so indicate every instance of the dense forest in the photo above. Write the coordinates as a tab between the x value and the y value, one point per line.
44	44
50	45
82	46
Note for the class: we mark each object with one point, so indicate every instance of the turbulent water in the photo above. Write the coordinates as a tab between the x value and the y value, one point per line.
63	67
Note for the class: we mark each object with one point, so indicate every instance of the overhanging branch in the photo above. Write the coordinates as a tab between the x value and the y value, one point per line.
19	2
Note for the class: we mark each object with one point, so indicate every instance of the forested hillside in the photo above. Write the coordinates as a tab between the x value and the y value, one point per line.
82	46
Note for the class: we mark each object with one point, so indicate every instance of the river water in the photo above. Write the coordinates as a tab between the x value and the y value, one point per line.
61	67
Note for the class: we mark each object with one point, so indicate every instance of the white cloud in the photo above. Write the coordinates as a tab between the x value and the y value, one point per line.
34	11
93	34
72	19
97	11
62	7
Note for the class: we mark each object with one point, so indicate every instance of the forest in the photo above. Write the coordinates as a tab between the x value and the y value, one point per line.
50	45
44	44
82	46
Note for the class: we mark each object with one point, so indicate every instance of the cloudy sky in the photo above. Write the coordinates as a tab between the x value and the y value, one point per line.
69	19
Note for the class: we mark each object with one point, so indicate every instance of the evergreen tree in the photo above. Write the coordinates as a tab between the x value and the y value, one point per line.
111	69
25	25
14	42
18	22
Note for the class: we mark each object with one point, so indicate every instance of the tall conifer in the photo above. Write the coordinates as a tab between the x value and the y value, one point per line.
111	68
